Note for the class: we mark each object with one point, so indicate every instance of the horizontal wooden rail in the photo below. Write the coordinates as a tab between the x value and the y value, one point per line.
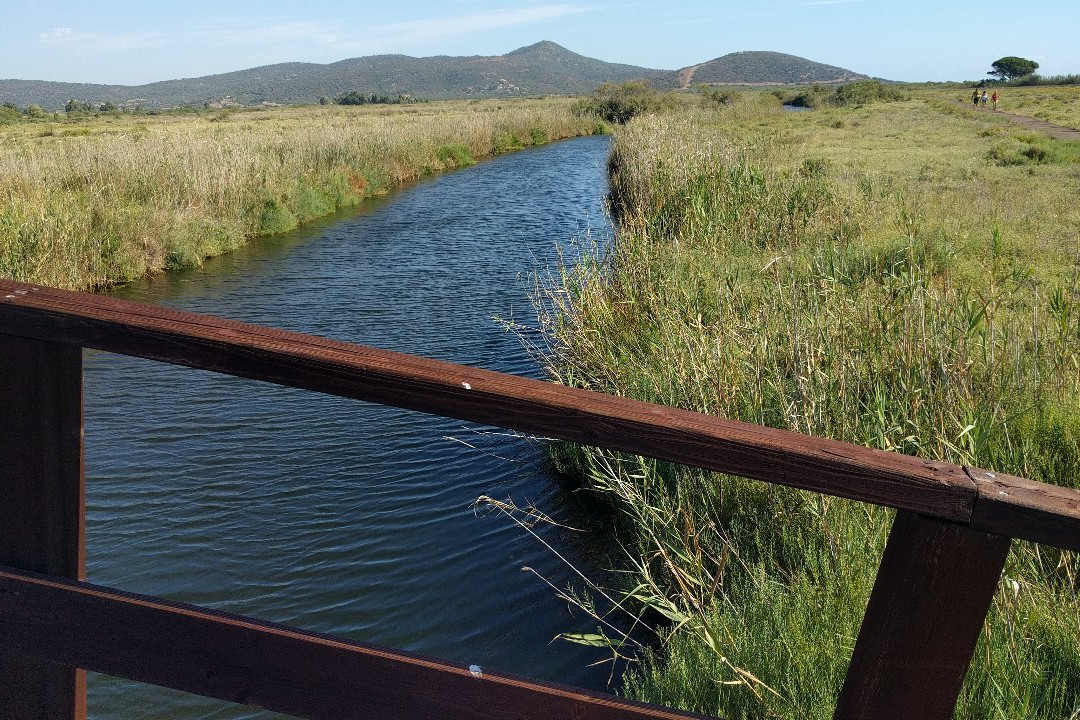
1022	508
941	564
1050	514
271	666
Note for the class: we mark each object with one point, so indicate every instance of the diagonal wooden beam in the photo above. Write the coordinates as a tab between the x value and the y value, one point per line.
924	617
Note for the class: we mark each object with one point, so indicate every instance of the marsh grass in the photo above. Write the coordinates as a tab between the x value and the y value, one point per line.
98	201
865	274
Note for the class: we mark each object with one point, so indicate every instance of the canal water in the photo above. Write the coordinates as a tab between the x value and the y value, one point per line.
346	517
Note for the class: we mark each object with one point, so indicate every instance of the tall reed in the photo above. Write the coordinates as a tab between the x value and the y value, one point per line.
85	204
819	272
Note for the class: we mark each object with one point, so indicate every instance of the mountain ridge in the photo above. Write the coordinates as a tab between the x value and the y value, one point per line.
764	67
543	68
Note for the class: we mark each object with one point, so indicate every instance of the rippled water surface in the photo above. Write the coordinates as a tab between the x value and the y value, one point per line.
333	515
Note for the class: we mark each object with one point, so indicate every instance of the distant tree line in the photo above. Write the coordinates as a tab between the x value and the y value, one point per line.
84	106
10	113
1037	79
358	98
1021	71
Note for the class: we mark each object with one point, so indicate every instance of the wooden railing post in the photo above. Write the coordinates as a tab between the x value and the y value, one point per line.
41	505
925	613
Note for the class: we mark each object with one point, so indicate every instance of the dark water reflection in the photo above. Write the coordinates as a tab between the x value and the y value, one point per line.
333	515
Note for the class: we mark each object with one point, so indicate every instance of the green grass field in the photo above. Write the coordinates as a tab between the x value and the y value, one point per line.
1055	104
899	275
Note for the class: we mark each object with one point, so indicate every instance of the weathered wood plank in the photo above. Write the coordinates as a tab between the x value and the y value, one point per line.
1023	508
271	666
925	613
778	456
41	504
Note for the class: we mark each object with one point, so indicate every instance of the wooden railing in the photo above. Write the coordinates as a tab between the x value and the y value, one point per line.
941	564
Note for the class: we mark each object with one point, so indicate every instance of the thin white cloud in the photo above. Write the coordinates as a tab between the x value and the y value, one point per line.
680	22
395	35
324	40
437	28
307	32
56	36
91	42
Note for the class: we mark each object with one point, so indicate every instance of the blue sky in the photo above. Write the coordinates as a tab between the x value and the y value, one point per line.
126	42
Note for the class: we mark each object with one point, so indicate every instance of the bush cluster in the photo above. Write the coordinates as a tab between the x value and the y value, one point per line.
619	103
358	98
860	92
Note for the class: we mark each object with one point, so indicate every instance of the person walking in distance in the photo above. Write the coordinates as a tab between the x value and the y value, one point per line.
985	97
994	100
975	98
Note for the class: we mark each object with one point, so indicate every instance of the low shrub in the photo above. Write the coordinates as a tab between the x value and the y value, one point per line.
860	92
864	92
275	218
310	202
1034	151
189	243
718	96
619	103
9	115
504	141
454	155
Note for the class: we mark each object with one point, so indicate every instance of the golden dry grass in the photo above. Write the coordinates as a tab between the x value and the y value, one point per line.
92	202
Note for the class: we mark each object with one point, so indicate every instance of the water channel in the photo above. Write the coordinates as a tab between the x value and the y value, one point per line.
346	517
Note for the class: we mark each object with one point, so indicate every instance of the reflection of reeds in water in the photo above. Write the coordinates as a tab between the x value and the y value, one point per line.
822	272
111	199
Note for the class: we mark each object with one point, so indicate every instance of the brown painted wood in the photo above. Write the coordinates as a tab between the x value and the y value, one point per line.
271	666
41	505
925	613
1026	509
778	456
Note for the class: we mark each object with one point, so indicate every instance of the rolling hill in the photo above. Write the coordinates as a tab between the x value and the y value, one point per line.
541	69
544	68
757	67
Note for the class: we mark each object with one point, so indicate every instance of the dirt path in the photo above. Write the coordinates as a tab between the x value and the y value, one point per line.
1059	132
687	74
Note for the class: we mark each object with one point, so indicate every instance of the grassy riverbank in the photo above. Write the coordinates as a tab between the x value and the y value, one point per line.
97	201
897	275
